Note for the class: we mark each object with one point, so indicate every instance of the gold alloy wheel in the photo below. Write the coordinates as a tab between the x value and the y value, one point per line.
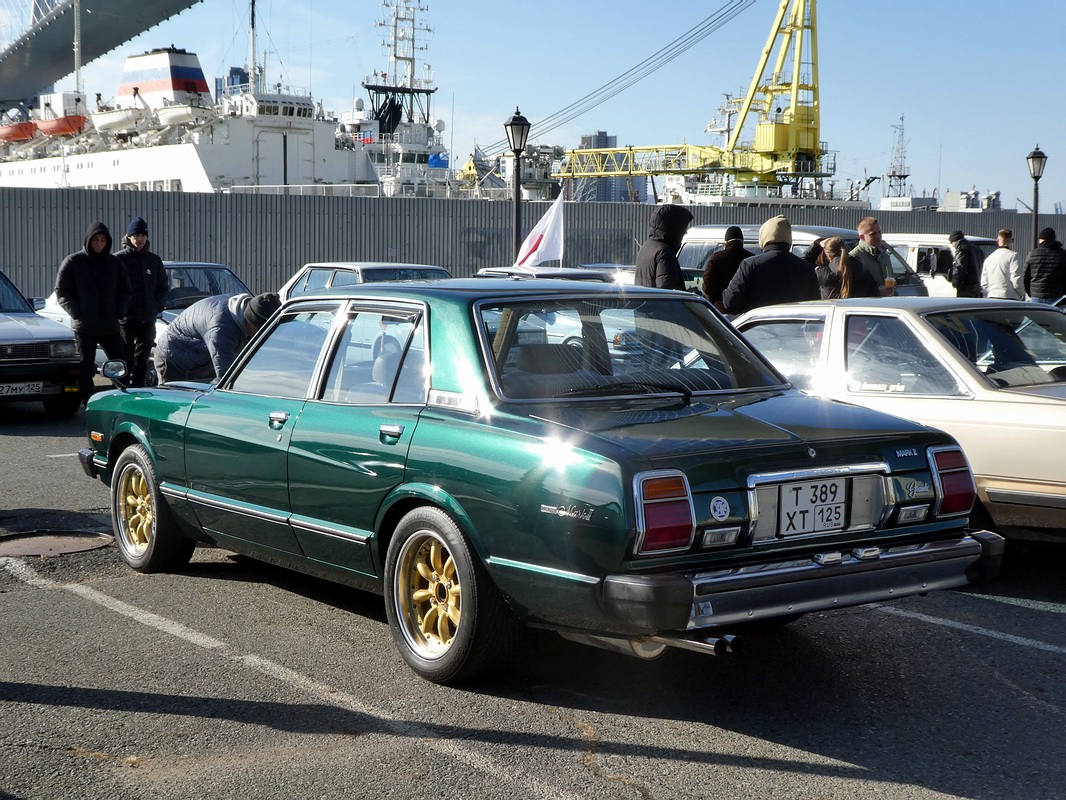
135	511
428	594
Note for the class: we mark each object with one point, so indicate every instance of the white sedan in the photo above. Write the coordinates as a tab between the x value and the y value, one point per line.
990	372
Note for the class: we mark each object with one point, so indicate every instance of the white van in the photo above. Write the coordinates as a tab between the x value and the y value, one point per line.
931	254
702	240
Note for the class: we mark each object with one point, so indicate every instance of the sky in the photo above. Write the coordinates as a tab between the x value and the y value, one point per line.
978	83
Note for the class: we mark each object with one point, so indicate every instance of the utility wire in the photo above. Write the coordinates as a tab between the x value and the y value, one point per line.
634	75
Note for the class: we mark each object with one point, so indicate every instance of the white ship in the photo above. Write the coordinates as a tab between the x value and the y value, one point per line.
164	131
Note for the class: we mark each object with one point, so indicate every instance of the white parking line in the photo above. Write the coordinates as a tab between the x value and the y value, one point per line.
324	693
974	629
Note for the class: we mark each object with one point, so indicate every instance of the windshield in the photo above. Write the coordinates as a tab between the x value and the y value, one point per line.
11	300
1011	347
187	284
617	346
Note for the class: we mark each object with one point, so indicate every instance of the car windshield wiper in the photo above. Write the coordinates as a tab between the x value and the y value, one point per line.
644	387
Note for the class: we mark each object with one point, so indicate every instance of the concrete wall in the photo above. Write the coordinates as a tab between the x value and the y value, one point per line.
264	239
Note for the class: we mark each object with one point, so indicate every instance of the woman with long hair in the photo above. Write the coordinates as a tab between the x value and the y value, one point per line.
839	276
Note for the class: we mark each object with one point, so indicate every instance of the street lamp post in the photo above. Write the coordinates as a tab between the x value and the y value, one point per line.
1036	160
517	128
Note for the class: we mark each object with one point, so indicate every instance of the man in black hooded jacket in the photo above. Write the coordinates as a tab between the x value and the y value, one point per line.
657	264
1045	269
148	280
93	288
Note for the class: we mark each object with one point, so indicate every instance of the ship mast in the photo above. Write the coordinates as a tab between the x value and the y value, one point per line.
253	70
77	46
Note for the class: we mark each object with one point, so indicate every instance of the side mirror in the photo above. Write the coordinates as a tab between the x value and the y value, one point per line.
115	371
37	303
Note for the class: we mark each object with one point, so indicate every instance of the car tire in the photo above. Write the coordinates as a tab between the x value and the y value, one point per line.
147	536
62	405
448	619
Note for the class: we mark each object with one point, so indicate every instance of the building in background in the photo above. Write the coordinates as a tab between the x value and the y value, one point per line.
629	189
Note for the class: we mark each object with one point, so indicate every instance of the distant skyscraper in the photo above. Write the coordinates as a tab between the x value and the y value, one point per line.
612	190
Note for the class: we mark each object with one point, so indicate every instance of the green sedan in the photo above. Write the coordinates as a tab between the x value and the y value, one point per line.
487	456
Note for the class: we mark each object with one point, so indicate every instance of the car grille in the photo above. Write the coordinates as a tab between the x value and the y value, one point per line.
24	351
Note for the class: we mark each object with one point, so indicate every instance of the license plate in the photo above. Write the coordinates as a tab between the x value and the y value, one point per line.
21	388
813	507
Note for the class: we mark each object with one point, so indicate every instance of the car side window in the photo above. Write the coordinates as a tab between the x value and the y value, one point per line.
885	356
345	277
283	364
791	345
313	280
369	356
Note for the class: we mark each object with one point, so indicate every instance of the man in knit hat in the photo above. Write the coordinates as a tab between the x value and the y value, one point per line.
773	276
1045	269
965	273
148	281
93	288
202	343
723	265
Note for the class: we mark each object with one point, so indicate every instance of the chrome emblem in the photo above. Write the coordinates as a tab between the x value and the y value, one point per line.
720	509
569	512
811	452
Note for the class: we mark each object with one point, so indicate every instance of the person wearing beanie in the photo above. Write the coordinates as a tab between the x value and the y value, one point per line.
93	288
1045	269
204	340
773	276
148	282
723	265
657	263
870	254
965	273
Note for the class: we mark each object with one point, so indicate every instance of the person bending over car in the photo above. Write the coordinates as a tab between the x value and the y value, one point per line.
204	340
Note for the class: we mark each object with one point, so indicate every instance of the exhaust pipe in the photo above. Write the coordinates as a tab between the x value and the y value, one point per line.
712	645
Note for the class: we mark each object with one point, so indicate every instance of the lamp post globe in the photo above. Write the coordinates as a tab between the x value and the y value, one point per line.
1037	159
517	129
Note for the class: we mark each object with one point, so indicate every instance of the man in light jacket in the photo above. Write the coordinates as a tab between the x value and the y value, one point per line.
1002	276
870	254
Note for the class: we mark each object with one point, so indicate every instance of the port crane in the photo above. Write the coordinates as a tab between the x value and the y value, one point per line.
786	149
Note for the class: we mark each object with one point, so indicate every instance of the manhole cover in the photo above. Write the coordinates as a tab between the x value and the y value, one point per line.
52	543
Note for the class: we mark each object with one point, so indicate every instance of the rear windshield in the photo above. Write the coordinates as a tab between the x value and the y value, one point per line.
615	347
402	274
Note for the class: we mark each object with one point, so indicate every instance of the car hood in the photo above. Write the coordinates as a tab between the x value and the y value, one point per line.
31	327
785	420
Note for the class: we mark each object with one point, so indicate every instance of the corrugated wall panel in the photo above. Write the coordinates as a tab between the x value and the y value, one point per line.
265	238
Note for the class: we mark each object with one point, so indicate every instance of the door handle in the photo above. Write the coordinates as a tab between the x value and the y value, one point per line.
278	419
394	431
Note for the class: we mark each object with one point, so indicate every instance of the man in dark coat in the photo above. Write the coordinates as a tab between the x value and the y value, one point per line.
723	265
1045	269
93	288
773	276
657	264
965	273
149	284
202	343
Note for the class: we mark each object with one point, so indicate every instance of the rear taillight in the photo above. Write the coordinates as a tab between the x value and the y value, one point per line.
955	488
666	521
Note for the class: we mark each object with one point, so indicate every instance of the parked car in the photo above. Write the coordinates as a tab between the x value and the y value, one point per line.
187	282
626	274
38	357
931	254
702	241
481	483
325	274
992	373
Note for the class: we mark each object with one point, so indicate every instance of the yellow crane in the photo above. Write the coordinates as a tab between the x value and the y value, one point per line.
786	148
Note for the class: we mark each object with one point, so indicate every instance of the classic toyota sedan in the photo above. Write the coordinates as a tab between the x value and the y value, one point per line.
992	373
437	443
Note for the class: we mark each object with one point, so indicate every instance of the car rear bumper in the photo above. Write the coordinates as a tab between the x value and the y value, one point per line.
834	579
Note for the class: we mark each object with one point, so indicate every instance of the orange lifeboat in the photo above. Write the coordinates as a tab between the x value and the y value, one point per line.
62	126
18	131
